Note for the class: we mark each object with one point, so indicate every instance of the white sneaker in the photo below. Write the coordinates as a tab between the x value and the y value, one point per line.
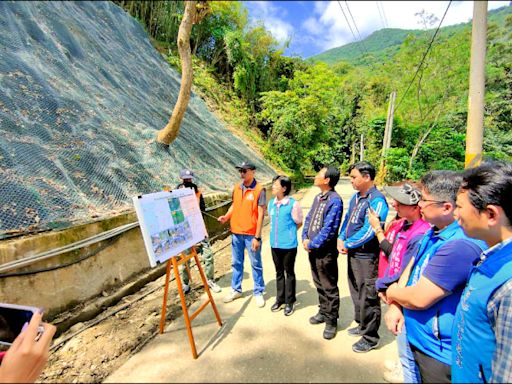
260	300
213	286
232	296
186	288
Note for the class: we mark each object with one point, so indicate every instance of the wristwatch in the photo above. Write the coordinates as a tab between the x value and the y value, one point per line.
257	238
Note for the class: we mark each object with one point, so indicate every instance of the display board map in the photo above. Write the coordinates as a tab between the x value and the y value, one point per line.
170	222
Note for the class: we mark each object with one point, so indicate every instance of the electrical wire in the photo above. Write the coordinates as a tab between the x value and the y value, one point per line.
355	26
424	56
381	14
350	27
384	14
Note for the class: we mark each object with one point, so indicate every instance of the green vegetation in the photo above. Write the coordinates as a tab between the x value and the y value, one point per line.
379	46
303	114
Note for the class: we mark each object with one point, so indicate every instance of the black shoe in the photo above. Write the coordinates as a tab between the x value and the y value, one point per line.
330	331
276	307
288	309
317	319
356	331
363	346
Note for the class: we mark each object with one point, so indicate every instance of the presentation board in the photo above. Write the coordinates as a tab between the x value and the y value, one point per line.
170	222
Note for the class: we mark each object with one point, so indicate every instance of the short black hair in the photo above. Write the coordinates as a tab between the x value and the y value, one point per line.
442	185
490	183
285	183
364	168
333	174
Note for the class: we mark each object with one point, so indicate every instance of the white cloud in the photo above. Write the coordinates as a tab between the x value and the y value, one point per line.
329	24
273	18
312	26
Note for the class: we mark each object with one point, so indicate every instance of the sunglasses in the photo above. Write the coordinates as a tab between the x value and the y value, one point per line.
242	171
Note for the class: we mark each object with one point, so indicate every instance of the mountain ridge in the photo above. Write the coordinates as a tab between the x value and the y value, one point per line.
384	43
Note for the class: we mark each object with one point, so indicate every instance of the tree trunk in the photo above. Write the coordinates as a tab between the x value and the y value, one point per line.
421	140
193	14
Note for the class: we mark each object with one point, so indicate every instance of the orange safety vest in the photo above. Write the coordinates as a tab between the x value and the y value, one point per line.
244	219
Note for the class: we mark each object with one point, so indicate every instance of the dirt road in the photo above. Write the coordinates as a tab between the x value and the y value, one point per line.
256	345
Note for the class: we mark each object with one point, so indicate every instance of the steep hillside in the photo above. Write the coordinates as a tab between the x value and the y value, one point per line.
82	95
384	43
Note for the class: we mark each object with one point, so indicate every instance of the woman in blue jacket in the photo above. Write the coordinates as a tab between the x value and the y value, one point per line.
285	219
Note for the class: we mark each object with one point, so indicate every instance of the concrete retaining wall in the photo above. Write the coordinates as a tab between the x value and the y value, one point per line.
88	271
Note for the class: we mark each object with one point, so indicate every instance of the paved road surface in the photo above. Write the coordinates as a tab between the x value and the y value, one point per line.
256	345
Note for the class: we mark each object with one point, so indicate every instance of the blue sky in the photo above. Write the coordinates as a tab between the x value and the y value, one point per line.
316	26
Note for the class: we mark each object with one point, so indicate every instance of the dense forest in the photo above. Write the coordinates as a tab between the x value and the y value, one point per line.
306	113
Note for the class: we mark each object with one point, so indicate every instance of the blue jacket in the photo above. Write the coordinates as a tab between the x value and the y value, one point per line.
356	231
430	329
283	230
473	335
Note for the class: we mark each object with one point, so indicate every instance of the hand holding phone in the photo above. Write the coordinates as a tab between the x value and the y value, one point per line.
13	318
28	354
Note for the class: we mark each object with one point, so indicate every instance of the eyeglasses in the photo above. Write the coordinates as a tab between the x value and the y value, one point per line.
242	170
430	201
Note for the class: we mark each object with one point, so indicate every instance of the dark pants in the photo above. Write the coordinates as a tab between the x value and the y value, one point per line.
324	268
362	274
431	370
284	261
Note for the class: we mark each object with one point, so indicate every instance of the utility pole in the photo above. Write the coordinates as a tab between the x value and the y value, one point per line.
391	117
475	123
386	142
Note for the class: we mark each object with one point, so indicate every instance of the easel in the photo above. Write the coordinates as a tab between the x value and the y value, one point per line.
188	318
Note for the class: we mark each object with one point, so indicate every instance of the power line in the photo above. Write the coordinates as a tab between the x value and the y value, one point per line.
424	56
355	25
350	27
383	13
380	14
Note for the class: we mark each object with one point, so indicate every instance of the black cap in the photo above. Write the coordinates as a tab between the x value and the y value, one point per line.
246	165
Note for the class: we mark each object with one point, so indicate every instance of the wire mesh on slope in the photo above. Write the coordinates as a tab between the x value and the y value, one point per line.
82	95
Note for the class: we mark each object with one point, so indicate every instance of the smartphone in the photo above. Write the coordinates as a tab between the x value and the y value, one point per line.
12	320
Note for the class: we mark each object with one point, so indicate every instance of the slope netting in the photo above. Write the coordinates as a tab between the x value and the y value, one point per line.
82	95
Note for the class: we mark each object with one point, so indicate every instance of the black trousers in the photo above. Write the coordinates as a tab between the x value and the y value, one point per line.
362	274
284	261
324	269
431	370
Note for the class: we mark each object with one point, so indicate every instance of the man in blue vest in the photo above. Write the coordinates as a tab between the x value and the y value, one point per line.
358	240
482	335
430	293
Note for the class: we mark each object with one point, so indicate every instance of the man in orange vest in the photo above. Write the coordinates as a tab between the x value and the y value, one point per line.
205	250
246	218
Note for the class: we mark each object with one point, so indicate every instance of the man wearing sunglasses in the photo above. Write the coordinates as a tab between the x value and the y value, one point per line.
246	220
431	286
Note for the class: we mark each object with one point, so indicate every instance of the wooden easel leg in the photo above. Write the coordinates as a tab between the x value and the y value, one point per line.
184	308
206	287
166	291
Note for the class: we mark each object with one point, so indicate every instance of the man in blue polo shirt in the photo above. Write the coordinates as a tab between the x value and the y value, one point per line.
482	335
429	294
358	240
